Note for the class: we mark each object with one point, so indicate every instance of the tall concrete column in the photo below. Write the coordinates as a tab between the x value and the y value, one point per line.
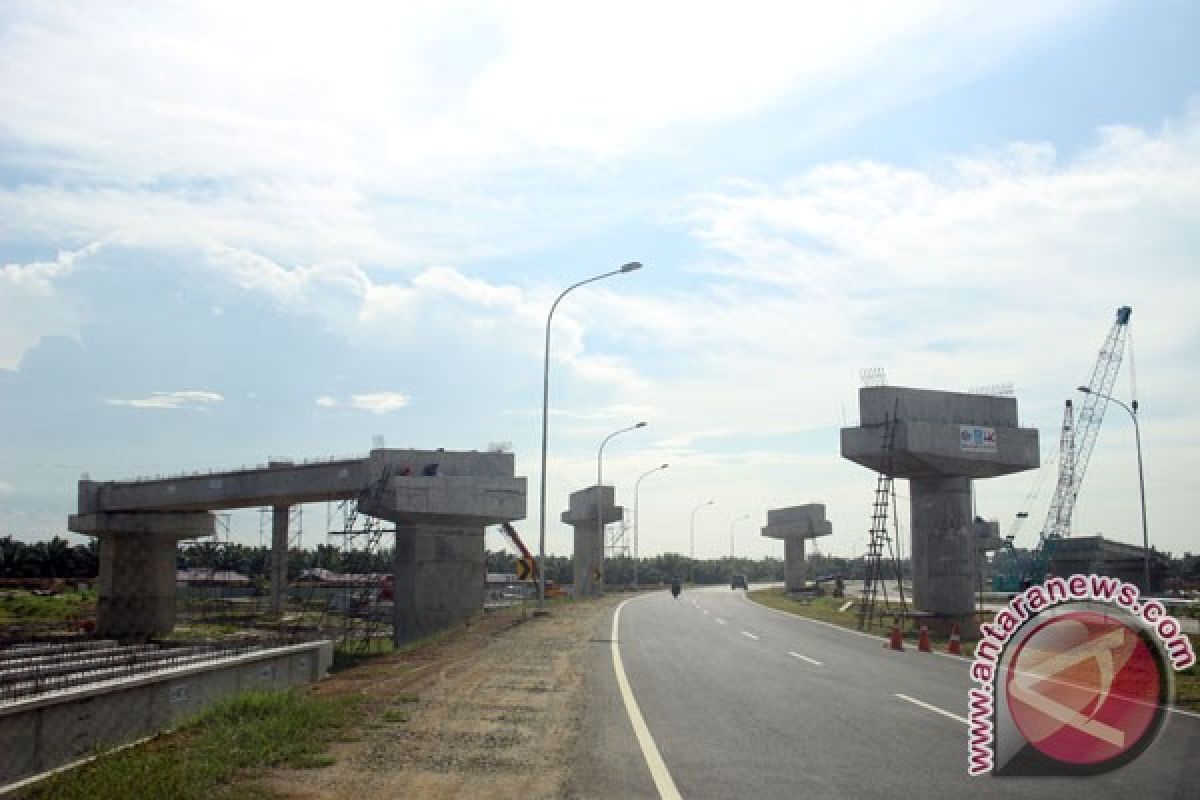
279	558
943	544
439	572
794	525
136	584
582	516
794	569
941	441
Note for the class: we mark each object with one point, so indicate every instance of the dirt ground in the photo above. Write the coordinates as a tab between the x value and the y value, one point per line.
492	711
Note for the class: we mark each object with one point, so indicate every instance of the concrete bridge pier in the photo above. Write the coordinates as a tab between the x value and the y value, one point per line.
582	515
794	525
439	573
940	442
279	557
136	584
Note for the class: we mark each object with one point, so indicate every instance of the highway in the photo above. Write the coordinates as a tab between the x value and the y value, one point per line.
744	701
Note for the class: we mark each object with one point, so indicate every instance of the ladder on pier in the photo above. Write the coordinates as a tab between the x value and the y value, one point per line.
884	503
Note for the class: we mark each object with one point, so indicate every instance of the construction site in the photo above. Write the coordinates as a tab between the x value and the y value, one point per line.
164	642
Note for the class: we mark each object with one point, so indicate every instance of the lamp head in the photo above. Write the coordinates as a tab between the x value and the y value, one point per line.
631	266
640	425
1083	389
664	466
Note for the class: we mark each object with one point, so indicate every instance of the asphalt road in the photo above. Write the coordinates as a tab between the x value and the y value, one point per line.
746	702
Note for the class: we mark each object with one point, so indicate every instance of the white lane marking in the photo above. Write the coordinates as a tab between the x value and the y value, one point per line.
934	709
1180	711
705	610
658	768
720	621
846	605
749	635
812	661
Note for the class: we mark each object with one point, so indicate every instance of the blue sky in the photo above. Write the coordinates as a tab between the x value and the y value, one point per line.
228	234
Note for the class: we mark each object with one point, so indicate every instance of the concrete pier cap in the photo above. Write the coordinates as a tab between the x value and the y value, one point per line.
441	502
943	440
794	525
582	515
136	584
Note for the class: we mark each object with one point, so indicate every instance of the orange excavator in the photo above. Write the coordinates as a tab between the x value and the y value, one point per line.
527	566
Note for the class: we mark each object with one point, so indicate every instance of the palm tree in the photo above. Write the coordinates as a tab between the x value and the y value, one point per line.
54	557
14	557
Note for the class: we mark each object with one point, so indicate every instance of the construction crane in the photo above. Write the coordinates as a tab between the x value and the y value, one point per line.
1076	441
526	565
1086	428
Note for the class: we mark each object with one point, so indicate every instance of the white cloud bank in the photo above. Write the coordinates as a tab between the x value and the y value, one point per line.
187	399
374	402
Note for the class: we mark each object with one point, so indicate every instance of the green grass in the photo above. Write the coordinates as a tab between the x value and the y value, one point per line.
198	762
826	609
25	607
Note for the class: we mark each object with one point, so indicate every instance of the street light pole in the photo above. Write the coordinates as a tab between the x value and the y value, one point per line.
637	518
600	482
630	267
692	540
1137	434
732	525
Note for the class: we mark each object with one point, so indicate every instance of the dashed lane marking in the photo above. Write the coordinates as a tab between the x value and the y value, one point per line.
749	635
812	661
934	709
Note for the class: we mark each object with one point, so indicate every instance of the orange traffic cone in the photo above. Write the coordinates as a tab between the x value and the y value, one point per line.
955	646
895	640
923	642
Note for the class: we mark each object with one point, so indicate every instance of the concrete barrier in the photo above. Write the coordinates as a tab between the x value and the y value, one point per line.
43	733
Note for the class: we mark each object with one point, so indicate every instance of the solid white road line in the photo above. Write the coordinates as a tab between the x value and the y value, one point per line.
934	709
812	661
658	768
749	635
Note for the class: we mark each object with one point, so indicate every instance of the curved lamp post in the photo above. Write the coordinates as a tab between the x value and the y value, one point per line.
637	517
692	539
630	267
732	525
600	482
1137	433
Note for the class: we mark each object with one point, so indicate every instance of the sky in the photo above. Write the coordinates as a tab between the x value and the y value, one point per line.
232	232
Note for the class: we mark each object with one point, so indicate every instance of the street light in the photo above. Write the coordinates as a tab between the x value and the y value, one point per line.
1137	433
600	482
630	267
732	524
637	518
692	539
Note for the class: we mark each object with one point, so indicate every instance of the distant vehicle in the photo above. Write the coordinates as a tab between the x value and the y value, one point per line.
738	582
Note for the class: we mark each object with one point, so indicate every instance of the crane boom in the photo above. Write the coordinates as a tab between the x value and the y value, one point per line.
1086	428
531	565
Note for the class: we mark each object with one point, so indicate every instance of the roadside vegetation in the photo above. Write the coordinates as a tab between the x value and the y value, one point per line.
253	730
18	606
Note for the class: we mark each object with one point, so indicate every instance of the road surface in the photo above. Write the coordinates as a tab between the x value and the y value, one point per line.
742	701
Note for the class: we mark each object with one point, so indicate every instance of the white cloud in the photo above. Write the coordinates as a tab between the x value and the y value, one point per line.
325	401
398	144
379	402
197	400
6	487
30	306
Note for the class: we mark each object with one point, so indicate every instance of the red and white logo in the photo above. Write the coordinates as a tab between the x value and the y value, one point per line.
1084	689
